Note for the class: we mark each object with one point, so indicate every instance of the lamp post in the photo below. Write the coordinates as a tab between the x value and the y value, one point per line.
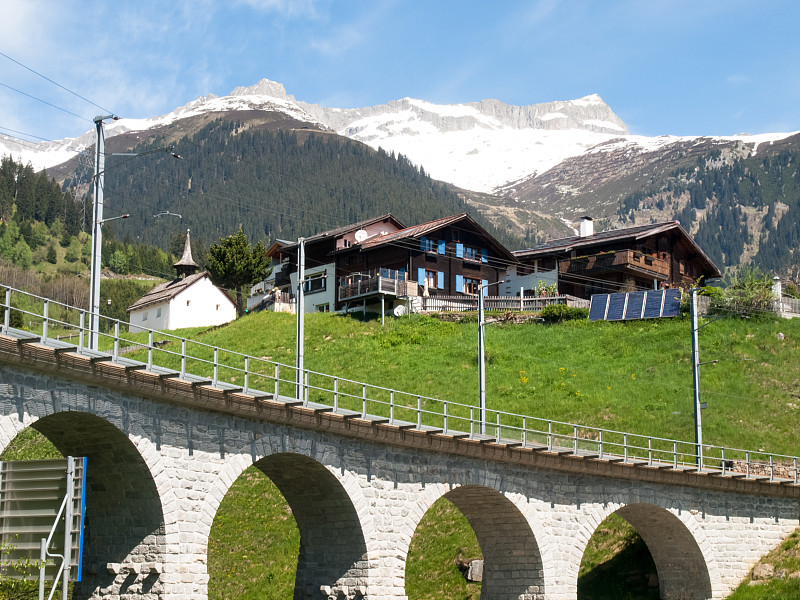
481	357
97	231
97	223
301	309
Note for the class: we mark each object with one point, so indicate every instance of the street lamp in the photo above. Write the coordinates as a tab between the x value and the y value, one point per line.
481	358
97	223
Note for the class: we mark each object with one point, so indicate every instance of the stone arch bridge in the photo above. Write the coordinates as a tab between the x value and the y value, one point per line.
163	449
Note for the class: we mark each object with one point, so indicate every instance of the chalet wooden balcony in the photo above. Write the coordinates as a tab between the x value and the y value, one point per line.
375	286
626	261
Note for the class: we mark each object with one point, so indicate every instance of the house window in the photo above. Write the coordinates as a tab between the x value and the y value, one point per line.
188	302
144	316
433	246
471	286
315	283
217	306
430	279
158	312
324	307
470	253
433	279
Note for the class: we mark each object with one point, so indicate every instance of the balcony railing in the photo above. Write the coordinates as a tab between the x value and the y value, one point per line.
377	285
620	260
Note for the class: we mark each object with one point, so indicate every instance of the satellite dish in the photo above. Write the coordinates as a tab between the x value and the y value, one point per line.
361	235
399	310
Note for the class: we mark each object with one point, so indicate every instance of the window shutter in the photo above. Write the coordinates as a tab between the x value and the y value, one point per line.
421	276
423	243
459	250
441	246
459	283
440	280
485	284
484	255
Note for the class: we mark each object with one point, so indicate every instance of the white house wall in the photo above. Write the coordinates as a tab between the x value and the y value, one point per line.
200	305
155	316
514	282
314	300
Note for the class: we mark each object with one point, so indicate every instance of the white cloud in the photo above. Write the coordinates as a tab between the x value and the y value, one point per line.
291	9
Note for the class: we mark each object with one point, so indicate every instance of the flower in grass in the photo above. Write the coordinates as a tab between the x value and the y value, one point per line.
633	375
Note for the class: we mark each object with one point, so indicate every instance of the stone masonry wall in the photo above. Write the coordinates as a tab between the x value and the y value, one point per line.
158	472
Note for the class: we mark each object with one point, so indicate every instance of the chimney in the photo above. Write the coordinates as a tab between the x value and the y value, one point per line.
587	227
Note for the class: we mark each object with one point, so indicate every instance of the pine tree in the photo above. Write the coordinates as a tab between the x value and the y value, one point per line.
235	265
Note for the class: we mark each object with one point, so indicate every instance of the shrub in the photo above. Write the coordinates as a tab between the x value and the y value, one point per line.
557	313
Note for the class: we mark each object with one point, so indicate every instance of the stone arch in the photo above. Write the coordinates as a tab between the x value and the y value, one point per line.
328	506
513	567
124	516
682	554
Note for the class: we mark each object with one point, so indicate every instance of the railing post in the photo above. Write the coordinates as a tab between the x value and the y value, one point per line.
445	418
183	358
575	439
472	422
391	407
215	379
277	381
549	436
419	412
771	469
45	316
625	446
498	427
364	401
794	461
116	340
747	460
649	452
335	394
305	387
246	385
149	350
723	462
7	315
524	431
81	320
675	455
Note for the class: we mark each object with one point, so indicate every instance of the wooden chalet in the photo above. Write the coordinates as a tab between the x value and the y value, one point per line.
451	256
655	256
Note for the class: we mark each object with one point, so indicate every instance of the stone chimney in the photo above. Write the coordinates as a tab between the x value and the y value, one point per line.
587	227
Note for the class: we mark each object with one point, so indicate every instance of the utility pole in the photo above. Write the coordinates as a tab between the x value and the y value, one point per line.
481	366
97	231
301	309
698	426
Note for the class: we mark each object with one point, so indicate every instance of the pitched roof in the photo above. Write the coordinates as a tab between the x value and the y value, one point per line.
165	292
332	233
417	231
615	235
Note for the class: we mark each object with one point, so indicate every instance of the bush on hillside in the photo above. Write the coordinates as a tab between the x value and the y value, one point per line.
558	313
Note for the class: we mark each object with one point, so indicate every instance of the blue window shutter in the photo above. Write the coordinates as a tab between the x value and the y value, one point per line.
421	276
484	255
459	250
485	284
440	280
459	283
423	243
441	246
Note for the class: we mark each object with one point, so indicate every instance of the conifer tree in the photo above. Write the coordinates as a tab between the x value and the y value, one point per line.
235	265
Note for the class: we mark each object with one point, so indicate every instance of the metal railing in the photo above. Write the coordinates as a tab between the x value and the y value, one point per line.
49	322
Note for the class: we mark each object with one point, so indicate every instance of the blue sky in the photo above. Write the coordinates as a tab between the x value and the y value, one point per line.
682	67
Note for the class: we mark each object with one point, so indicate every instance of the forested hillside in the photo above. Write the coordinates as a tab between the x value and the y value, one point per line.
278	184
739	209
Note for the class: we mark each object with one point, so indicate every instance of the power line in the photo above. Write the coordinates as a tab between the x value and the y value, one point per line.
13	89
105	110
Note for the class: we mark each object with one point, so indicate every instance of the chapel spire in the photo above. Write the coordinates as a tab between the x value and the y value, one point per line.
186	265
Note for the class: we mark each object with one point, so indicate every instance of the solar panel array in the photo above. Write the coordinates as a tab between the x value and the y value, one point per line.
635	305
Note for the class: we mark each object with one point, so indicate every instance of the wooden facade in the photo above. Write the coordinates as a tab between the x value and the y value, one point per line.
656	256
